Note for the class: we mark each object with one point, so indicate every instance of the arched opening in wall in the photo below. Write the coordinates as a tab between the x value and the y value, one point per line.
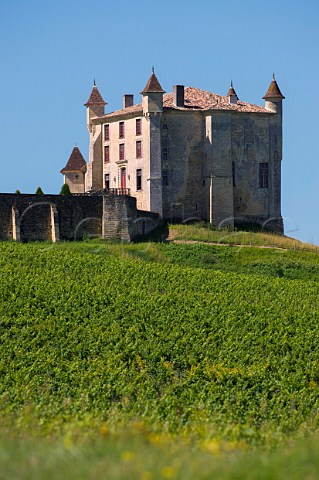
90	227
36	222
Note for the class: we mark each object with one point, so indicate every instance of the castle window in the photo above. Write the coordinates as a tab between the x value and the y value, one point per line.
164	126
165	153
121	129
139	179
106	153
263	175
138	149
107	132
234	174
121	151
107	181
165	178
138	126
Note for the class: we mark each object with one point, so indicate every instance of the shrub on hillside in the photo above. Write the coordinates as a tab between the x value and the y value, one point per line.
65	190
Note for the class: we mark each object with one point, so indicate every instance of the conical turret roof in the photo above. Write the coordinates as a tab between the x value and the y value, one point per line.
75	163
231	90
273	90
95	98
153	85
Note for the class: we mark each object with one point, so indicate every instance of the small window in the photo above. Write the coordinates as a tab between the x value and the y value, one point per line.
121	151
106	153
165	178
107	132
165	153
164	126
263	175
139	149
138	126
121	129
139	179
107	181
234	174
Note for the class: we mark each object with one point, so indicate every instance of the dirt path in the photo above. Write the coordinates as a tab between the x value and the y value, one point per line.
171	238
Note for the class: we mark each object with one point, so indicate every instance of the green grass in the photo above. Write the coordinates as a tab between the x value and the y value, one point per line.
157	359
252	261
203	233
137	455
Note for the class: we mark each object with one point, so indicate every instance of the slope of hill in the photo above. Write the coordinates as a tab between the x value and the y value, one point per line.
209	342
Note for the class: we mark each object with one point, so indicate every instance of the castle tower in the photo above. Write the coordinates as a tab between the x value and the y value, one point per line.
274	97
273	103
95	104
152	110
94	108
74	171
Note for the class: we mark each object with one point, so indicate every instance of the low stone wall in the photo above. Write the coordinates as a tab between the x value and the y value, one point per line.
122	220
72	217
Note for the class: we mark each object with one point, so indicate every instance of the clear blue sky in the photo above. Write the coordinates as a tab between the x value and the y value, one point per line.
51	51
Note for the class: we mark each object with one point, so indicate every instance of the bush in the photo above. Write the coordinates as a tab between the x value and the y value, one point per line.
65	190
17	192
39	191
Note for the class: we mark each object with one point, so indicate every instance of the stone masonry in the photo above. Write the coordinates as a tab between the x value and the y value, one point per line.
72	217
189	154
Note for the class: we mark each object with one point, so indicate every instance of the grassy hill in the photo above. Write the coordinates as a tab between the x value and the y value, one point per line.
205	344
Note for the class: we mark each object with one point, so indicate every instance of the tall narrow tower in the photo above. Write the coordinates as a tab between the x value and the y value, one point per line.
94	108
152	110
274	97
273	103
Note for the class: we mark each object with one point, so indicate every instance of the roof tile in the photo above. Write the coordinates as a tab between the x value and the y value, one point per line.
95	98
195	99
153	85
75	163
273	90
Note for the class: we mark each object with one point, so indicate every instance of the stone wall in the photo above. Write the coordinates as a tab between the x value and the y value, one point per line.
76	181
72	217
122	221
186	195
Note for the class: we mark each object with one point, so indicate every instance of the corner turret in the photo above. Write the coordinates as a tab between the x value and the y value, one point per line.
152	111
95	105
274	97
152	95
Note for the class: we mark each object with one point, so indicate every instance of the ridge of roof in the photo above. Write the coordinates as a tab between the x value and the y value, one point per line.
75	163
153	85
95	97
273	90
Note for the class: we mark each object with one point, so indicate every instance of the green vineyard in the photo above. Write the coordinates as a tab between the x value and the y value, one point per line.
199	342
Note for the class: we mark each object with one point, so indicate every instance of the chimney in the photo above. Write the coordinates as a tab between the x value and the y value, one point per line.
128	100
178	95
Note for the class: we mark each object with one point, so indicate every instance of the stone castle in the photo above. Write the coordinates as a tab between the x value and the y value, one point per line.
181	156
186	155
